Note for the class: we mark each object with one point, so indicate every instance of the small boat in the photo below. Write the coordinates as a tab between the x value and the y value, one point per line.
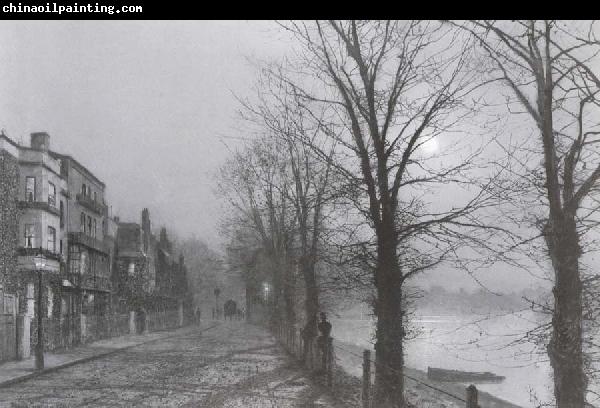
441	374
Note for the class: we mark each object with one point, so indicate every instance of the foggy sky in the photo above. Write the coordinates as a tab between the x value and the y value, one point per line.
146	106
142	104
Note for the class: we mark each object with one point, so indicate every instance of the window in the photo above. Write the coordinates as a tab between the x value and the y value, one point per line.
61	247
29	236
84	263
51	194
83	190
82	224
50	301
30	189
131	268
95	231
89	230
51	239
74	258
95	197
62	214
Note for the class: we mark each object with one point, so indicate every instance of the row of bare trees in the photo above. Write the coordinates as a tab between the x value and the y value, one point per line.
383	149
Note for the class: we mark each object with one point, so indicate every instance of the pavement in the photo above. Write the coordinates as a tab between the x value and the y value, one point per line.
15	371
230	365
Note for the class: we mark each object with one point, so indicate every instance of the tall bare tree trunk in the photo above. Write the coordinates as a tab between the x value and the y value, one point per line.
533	53
276	308
389	349
289	288
565	346
311	301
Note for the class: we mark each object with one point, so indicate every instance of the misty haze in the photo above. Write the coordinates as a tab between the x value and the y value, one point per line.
369	214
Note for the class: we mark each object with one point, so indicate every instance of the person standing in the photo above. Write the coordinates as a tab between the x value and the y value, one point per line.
325	328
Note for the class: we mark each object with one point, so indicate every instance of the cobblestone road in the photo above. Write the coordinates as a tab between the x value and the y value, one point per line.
230	366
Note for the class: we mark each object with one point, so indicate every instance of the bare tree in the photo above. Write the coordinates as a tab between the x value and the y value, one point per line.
389	89
254	183
549	68
280	113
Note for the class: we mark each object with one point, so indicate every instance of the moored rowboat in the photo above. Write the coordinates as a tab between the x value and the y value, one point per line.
441	374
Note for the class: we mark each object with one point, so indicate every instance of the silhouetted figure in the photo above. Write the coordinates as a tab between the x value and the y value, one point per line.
325	329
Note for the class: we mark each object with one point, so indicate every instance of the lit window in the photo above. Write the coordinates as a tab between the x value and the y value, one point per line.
29	236
52	194
30	189
131	268
51	239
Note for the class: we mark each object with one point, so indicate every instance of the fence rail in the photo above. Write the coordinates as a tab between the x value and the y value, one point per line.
319	356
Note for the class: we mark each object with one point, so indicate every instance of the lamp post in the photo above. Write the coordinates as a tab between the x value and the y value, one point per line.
266	292
40	263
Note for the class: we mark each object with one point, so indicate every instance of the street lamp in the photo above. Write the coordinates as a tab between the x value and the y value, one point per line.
40	264
266	292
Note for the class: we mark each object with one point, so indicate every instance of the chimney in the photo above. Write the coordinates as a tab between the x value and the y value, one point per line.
40	141
146	228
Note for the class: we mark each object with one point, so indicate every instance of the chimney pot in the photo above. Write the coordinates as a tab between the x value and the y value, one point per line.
40	141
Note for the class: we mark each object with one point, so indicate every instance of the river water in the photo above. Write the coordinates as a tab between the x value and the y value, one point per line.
472	343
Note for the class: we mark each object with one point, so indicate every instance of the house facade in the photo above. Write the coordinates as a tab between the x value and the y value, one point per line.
87	254
58	239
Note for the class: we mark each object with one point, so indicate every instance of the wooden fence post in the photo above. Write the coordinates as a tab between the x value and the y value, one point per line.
366	379
472	400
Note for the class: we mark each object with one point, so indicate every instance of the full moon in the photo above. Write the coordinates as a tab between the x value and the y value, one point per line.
431	146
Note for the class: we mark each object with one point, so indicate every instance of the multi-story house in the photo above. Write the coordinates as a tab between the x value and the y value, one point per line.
134	272
38	191
88	254
42	197
171	275
54	225
62	215
147	276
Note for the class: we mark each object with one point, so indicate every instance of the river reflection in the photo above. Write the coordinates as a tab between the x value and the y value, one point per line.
472	343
